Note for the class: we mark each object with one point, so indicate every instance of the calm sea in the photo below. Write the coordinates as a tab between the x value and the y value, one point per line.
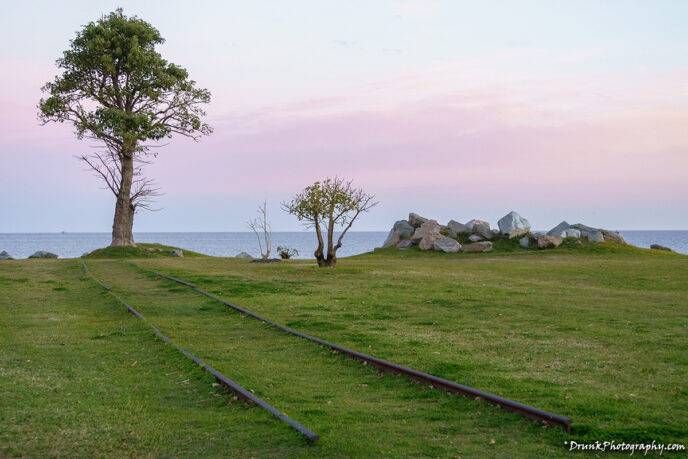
71	245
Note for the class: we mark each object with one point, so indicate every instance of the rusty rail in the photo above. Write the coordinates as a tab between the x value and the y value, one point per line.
241	393
450	386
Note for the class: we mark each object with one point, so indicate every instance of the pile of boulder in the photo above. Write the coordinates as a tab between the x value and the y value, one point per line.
477	236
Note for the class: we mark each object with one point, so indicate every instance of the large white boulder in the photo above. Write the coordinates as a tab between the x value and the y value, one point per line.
513	225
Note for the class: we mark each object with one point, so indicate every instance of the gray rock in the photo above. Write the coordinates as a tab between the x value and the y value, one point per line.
428	241
428	227
572	233
416	220
613	236
178	253
393	239
5	256
475	238
546	241
404	228
477	247
43	254
244	255
595	236
458	228
513	225
653	246
557	230
480	227
446	245
404	244
401	230
524	242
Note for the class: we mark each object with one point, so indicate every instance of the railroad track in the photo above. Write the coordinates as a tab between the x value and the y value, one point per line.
241	393
436	382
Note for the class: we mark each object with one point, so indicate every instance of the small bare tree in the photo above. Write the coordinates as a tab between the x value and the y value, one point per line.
261	228
331	203
106	162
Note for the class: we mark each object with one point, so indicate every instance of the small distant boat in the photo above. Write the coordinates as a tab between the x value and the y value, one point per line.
63	232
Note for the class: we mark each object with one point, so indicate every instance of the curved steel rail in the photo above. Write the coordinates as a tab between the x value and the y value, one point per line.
435	381
245	395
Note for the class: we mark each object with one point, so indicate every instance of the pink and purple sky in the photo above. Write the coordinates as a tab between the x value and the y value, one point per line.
555	109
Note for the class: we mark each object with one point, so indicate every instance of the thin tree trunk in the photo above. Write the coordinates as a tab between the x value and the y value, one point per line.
319	250
122	226
331	258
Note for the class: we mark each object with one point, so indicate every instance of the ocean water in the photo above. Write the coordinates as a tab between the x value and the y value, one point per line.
71	245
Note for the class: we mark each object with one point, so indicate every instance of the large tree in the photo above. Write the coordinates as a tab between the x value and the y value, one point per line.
328	205
115	88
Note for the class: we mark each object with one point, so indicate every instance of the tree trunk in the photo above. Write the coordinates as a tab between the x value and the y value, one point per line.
122	226
331	259
318	254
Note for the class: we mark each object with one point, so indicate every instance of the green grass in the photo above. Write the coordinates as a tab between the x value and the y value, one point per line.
595	332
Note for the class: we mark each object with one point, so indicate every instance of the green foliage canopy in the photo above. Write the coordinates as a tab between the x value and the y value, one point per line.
117	88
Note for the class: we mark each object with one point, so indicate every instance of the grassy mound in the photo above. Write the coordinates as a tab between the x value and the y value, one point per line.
143	250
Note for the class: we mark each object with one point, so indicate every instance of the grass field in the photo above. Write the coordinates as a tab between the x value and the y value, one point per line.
597	333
